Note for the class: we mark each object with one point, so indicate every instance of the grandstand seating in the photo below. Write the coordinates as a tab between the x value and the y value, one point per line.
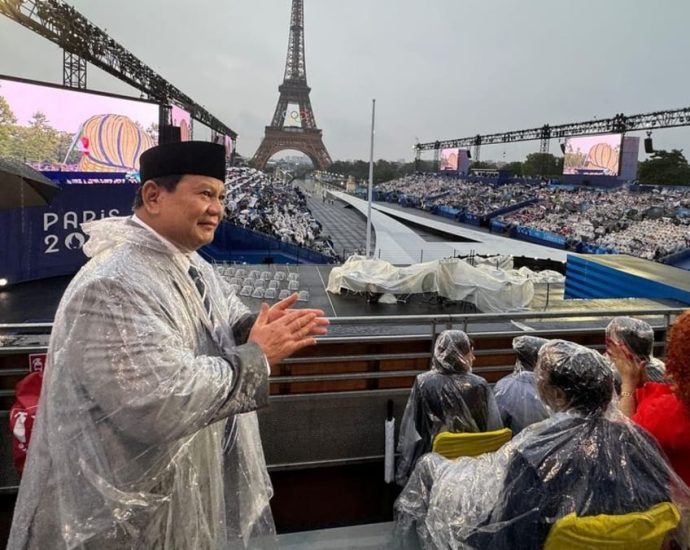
651	223
274	208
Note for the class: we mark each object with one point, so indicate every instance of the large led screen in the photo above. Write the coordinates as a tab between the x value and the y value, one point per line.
54	128
180	117
593	155
448	160
225	141
228	147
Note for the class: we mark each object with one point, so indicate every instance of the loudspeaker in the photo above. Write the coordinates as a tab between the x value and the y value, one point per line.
563	148
169	134
469	154
648	146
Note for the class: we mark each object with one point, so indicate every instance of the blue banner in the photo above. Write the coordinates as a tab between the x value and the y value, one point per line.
46	241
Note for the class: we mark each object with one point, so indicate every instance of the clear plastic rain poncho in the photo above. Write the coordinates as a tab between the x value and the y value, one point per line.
638	337
146	435
516	394
448	398
587	458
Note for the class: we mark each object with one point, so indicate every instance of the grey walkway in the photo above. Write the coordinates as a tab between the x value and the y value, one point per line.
345	225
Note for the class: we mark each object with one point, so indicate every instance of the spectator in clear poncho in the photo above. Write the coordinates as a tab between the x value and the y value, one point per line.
586	459
661	409
447	398
516	394
638	338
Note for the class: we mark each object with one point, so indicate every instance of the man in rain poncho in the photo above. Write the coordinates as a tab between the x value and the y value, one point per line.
146	435
447	398
587	458
516	394
638	337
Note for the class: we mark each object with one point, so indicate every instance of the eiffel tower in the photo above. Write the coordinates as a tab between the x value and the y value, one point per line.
293	125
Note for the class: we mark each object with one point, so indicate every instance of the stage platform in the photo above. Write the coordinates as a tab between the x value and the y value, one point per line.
400	244
621	276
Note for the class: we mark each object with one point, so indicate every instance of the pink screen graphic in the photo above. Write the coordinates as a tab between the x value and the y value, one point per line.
448	160
593	155
58	129
183	119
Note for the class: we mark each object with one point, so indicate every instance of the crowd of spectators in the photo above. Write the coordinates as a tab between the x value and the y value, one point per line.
593	441
256	202
650	224
464	195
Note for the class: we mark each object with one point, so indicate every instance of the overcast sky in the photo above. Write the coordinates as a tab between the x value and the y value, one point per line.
438	69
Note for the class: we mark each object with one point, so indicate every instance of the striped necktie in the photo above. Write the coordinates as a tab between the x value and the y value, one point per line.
230	435
195	274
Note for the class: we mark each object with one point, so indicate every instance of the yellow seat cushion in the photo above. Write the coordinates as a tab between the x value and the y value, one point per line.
638	530
454	445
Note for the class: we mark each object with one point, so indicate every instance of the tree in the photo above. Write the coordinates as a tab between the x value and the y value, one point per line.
37	142
7	122
542	164
484	165
665	168
513	168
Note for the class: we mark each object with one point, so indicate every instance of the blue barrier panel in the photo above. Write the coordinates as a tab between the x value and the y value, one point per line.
589	279
536	236
498	227
448	212
469	218
233	243
46	241
586	248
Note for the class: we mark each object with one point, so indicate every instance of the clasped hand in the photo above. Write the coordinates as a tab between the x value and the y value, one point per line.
280	331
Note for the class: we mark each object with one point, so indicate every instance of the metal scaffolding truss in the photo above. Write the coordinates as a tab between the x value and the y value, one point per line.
619	123
69	29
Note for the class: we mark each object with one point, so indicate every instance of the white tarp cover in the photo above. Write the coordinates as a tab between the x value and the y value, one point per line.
488	288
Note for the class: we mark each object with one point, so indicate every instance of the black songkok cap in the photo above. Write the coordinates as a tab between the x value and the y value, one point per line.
194	158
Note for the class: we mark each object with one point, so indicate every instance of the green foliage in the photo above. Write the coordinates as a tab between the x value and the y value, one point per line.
542	164
513	168
384	170
7	121
484	165
665	168
37	142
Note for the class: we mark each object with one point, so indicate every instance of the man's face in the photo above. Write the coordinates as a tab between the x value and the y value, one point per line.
189	215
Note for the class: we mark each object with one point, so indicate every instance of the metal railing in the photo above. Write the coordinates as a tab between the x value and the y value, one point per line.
21	338
25	338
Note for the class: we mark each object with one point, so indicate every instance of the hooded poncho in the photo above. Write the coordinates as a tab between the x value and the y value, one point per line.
447	398
128	449
587	459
